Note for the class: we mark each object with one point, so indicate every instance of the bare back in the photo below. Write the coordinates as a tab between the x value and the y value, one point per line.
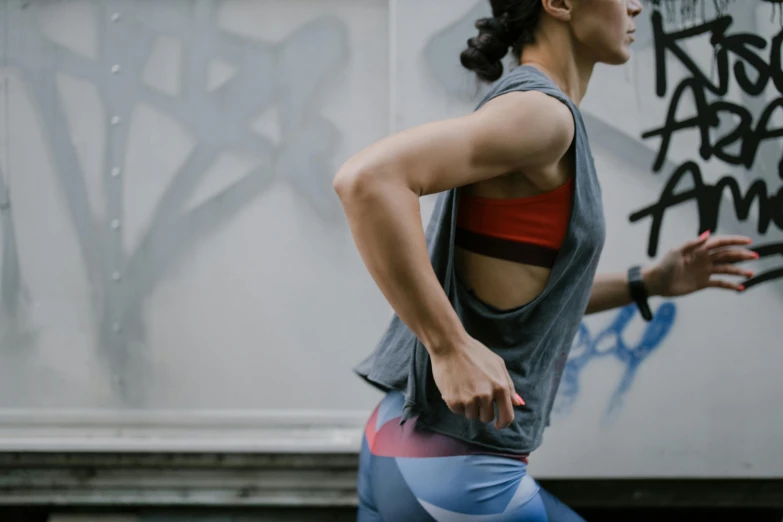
501	283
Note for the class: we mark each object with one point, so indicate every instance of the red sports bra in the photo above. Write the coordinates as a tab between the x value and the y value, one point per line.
527	230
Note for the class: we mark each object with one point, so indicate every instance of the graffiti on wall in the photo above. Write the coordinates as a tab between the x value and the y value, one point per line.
733	133
224	85
611	343
9	264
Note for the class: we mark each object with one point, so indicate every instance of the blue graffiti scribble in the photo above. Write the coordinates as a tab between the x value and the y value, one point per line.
610	343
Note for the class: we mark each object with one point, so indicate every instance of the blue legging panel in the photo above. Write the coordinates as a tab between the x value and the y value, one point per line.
474	488
407	476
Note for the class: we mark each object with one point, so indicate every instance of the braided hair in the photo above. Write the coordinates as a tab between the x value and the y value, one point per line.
512	25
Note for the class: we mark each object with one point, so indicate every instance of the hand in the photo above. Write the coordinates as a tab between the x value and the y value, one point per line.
472	379
691	266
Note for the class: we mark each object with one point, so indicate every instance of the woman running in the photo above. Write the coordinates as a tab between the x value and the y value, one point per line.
489	300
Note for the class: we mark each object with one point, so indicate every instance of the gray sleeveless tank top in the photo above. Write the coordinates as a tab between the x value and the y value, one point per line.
534	339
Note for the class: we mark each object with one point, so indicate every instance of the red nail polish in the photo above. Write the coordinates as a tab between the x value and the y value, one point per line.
520	399
705	235
755	255
741	288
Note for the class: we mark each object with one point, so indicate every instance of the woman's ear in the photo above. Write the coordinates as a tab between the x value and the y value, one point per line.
558	9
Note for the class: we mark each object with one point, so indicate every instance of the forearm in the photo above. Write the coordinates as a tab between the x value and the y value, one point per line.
611	290
385	220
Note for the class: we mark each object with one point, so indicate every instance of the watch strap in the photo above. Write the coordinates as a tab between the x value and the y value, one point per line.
639	292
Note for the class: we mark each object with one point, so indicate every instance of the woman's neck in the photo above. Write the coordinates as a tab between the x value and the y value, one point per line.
555	54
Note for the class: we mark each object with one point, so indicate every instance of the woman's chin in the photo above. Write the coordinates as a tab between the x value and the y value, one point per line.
620	57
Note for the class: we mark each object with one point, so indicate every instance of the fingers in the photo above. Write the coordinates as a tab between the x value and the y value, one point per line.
733	255
727	241
498	408
716	242
516	400
469	410
732	270
487	396
486	409
505	410
696	243
719	283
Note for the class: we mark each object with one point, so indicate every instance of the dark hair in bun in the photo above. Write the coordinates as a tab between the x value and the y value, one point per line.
512	25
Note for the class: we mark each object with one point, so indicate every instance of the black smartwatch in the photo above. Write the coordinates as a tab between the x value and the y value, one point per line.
639	292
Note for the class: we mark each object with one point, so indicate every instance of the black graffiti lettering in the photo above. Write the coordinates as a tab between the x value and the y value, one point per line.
768	250
727	131
670	199
751	72
708	199
742	129
775	61
742	204
750	147
776	209
777	205
739	43
708	115
700	120
669	42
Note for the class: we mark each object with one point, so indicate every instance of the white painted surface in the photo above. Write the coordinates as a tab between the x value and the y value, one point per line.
268	311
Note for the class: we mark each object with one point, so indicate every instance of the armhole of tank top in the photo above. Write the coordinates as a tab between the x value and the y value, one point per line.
552	91
549	91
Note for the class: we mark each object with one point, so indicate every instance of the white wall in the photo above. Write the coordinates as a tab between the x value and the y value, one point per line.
226	305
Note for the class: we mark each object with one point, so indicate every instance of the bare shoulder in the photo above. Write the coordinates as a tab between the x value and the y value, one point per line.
542	123
524	104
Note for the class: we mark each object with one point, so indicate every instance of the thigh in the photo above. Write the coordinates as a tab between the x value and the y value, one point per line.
367	511
454	489
459	489
409	476
545	507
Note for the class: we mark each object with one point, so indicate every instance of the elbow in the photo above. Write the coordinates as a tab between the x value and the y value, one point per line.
367	183
353	184
346	182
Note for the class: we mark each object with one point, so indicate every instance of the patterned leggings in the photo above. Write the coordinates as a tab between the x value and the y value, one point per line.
410	476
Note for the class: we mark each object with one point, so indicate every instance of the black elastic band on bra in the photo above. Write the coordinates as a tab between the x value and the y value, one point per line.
507	249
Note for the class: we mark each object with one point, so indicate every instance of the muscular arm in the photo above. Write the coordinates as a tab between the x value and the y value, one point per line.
381	185
380	189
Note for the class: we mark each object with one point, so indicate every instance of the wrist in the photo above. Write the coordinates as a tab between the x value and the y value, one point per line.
640	291
652	280
445	341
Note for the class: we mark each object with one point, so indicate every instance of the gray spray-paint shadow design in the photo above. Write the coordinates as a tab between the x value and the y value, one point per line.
268	74
442	55
13	332
9	262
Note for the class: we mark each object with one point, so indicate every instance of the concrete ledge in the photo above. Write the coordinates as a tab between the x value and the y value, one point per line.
263	431
317	480
146	479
